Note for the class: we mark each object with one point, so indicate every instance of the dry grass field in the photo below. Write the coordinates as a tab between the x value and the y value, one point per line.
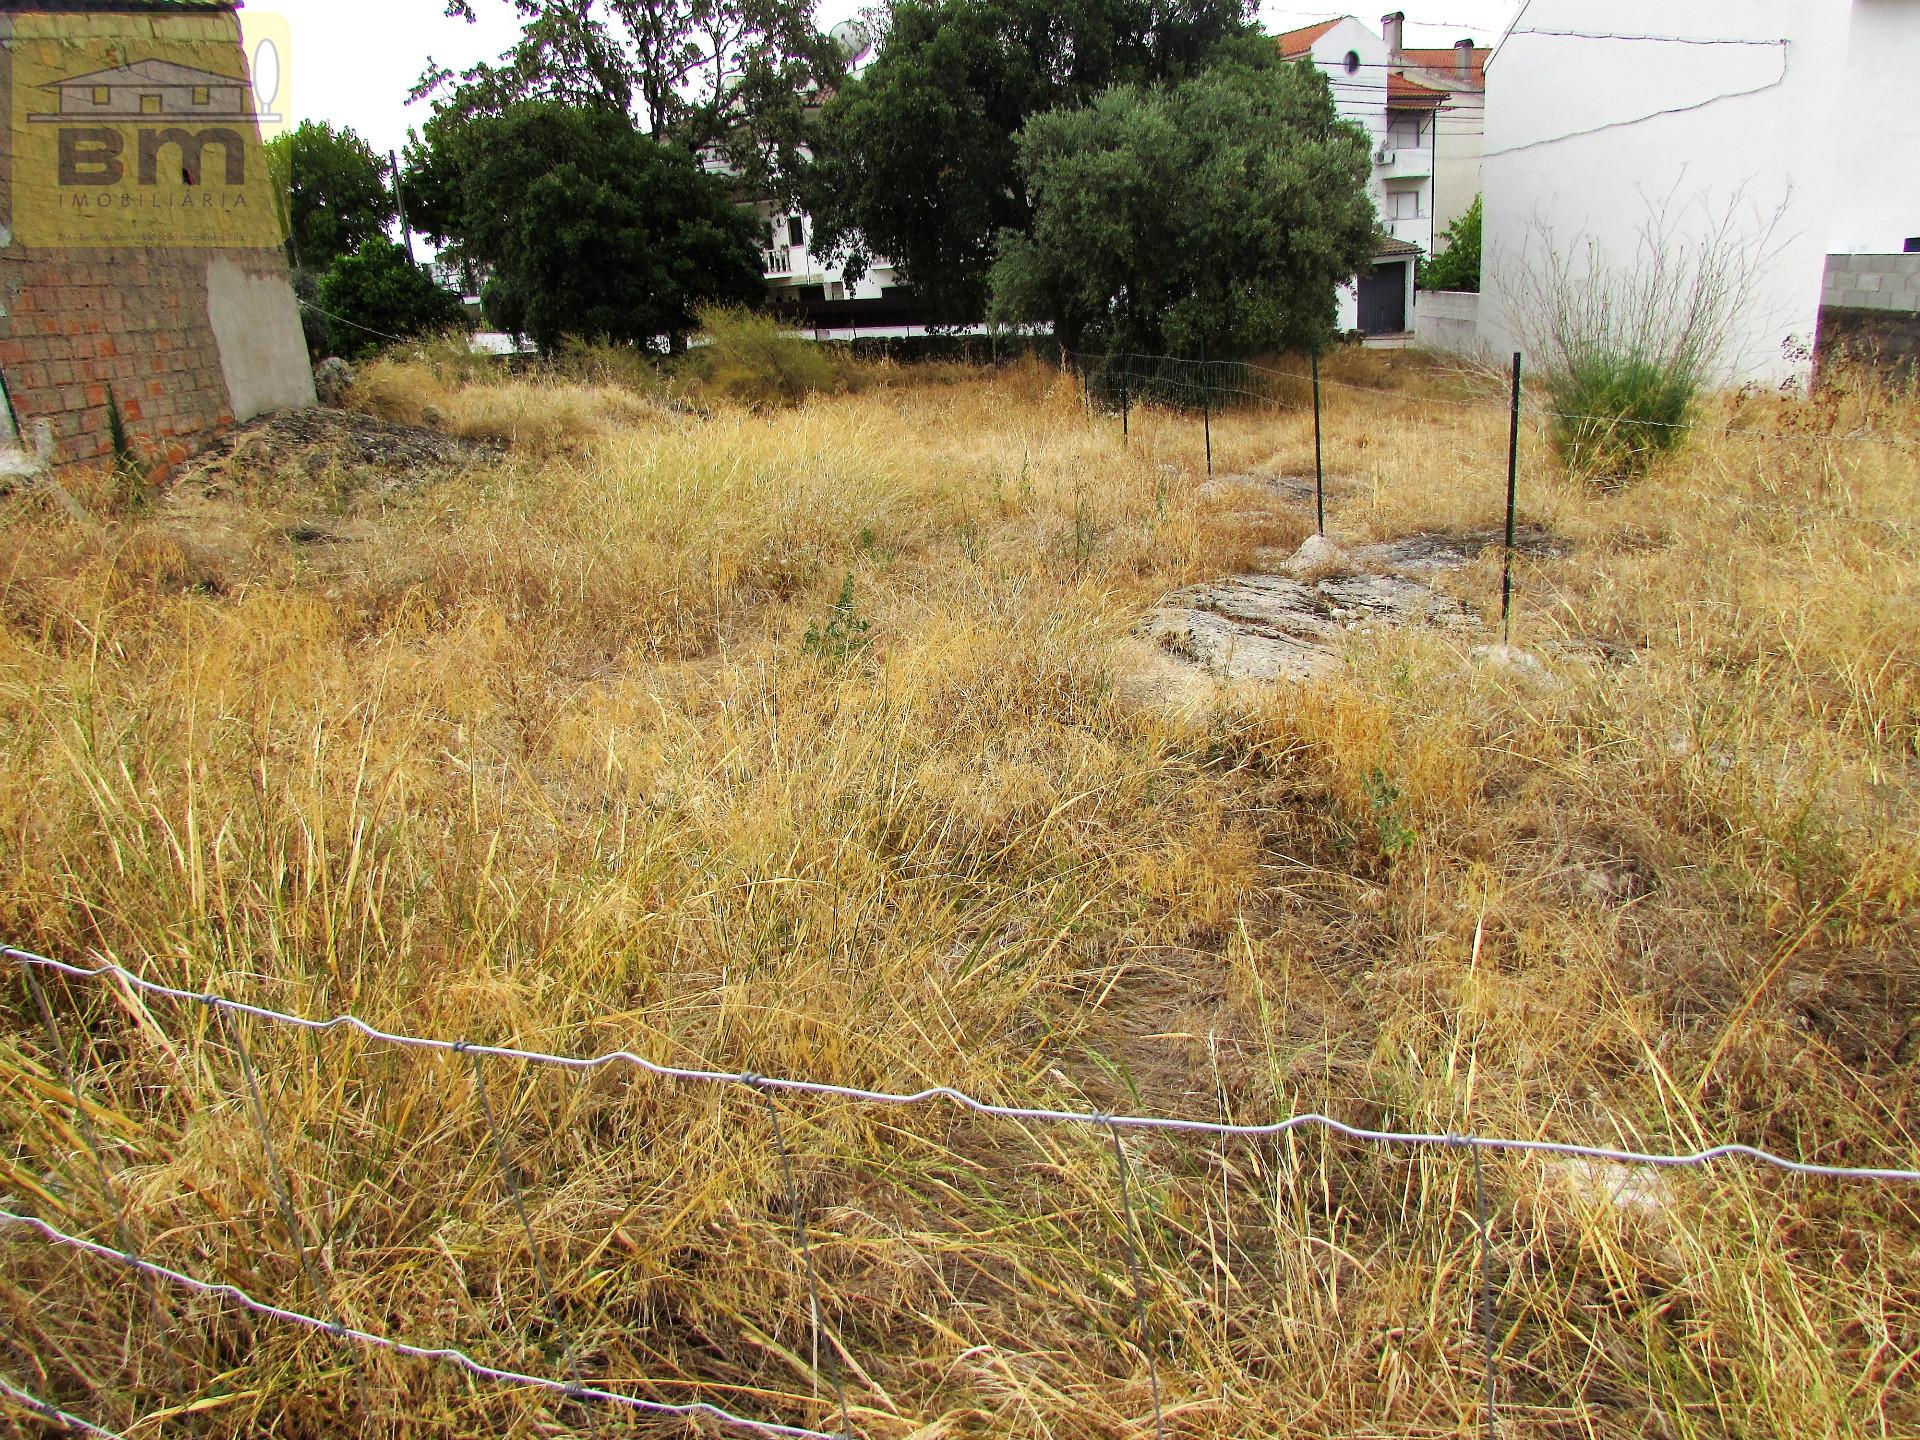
566	746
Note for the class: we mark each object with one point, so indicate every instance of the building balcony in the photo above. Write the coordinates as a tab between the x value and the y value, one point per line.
1392	162
778	262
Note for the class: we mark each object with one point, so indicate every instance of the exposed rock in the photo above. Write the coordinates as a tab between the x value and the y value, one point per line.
1318	558
1271	627
1432	553
1636	1189
332	379
1511	657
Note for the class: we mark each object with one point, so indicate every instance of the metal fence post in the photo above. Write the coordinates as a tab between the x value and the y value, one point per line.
1513	484
1206	406
1319	472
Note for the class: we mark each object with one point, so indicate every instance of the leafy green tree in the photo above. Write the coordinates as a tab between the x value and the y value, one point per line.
587	228
1224	211
719	75
1457	267
918	158
333	190
376	294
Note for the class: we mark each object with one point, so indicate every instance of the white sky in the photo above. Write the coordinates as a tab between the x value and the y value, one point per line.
354	61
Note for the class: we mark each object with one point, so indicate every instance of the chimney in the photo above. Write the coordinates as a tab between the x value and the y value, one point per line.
1390	28
1463	58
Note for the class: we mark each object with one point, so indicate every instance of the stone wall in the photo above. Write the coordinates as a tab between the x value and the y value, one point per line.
185	325
1870	311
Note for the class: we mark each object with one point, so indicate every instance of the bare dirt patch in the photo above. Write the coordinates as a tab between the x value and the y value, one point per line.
335	447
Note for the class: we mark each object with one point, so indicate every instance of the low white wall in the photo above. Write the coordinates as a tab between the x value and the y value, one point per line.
1448	321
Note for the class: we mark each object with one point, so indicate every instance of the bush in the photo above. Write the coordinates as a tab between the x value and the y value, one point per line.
377	294
747	358
1458	266
1615	413
1625	345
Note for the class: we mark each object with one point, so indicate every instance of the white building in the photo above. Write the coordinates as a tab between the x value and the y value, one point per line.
1458	71
1406	104
804	283
1793	117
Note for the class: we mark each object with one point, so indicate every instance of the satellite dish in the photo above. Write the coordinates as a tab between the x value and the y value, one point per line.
853	38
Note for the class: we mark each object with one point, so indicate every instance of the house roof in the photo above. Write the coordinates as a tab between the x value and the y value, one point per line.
1295	43
1446	64
1404	94
1389	248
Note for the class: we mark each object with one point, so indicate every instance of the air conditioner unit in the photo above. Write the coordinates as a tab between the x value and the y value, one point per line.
1383	156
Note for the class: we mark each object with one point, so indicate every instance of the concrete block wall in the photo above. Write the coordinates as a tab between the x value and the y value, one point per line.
1872	282
140	323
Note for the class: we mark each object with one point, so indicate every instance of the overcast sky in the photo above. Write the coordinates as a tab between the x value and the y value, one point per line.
354	61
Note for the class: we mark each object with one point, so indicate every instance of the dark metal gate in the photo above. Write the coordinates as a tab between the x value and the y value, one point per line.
1383	299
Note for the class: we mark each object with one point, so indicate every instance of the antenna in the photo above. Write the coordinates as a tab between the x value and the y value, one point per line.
854	38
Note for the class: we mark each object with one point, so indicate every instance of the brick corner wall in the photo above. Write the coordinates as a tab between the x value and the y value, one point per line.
88	326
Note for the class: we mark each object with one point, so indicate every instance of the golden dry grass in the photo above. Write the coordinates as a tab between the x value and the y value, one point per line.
539	755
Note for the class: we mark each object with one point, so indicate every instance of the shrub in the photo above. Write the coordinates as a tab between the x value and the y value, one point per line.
377	294
1614	413
1625	346
1458	266
748	358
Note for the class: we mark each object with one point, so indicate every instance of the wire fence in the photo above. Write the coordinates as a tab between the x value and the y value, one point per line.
1195	383
575	1389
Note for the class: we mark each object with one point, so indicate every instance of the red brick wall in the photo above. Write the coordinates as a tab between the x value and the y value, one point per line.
80	323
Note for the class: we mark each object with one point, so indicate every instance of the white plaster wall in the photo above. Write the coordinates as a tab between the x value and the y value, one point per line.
263	352
1448	321
1576	144
1362	98
1458	144
1879	141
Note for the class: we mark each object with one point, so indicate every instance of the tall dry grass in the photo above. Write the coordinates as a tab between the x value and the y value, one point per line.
540	756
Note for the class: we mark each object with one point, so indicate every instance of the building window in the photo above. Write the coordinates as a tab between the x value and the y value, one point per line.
1404	205
202	95
1409	132
1352	62
102	95
796	231
149	104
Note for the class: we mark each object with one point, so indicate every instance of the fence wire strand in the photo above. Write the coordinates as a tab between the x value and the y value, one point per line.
53	1414
1171	1124
691	1410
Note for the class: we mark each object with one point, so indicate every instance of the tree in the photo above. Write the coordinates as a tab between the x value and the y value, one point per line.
376	294
917	157
586	227
1457	266
708	74
334	190
1222	212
